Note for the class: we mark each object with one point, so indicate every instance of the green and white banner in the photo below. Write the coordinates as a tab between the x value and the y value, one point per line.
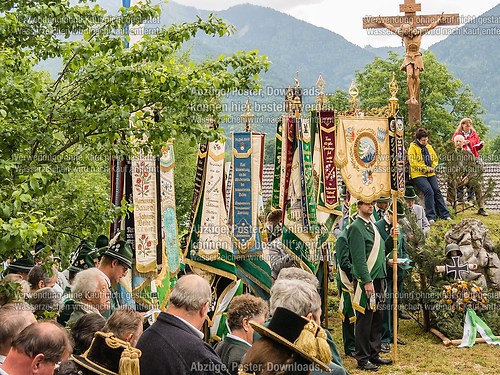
474	324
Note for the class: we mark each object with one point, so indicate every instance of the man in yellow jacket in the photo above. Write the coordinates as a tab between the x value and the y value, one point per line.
423	161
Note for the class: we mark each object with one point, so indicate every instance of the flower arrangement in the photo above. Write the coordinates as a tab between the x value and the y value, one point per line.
451	301
461	295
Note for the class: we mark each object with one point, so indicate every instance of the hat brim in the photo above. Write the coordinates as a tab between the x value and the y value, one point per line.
84	362
383	200
411	198
264	331
125	261
19	268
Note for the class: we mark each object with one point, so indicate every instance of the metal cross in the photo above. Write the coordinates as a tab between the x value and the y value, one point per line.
457	268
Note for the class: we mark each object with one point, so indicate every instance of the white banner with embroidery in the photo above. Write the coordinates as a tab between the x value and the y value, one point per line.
145	212
214	231
363	156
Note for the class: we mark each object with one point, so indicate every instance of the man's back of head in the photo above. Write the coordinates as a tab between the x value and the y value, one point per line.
37	349
14	317
190	299
190	293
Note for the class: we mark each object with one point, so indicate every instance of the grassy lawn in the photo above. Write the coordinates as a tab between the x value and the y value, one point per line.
424	352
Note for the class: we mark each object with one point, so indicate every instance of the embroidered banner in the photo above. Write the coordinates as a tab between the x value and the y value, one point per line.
242	194
307	171
145	213
289	146
223	263
275	200
328	181
396	144
363	156
214	232
171	251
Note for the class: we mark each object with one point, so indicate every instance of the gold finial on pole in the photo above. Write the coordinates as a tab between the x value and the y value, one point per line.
297	106
297	99
321	98
354	93
393	101
247	115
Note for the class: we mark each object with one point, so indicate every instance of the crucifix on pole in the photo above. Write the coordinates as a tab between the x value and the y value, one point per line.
411	27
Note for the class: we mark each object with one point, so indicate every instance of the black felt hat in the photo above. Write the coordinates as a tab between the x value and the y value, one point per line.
297	333
108	355
22	264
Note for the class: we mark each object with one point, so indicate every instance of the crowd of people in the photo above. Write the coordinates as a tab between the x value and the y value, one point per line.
78	322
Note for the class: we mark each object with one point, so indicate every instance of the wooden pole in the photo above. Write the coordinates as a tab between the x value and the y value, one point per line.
325	284
395	276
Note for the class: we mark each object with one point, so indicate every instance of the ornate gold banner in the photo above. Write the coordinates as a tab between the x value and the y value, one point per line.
363	156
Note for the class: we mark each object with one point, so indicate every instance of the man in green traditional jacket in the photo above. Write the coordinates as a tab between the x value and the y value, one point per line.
367	252
114	264
344	282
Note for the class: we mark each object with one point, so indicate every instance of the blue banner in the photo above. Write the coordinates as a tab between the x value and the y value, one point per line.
242	207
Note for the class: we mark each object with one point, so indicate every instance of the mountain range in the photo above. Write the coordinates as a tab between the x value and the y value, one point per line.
299	50
470	52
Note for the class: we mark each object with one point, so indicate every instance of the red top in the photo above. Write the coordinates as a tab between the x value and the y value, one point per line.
474	144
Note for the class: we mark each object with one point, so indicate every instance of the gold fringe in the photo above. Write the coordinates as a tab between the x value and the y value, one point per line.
307	339
324	352
129	362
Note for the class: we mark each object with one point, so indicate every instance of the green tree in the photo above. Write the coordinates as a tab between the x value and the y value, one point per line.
53	129
444	99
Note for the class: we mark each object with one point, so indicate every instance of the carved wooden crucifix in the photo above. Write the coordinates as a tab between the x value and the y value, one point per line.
411	27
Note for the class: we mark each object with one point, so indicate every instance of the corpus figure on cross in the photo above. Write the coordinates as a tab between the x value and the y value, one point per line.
413	63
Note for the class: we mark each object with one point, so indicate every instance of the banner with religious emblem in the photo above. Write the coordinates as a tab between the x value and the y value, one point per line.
362	153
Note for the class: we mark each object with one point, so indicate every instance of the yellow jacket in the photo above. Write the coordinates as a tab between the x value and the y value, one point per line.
417	164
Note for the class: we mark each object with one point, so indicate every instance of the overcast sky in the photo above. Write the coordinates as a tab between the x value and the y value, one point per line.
345	17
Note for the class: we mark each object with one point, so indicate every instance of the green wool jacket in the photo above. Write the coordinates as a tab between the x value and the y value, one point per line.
360	237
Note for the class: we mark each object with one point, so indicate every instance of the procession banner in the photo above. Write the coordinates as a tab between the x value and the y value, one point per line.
144	195
277	186
251	266
171	253
243	192
308	190
396	145
208	246
362	153
327	197
288	151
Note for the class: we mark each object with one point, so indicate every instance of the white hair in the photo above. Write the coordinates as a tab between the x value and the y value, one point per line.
294	295
86	282
191	292
295	273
